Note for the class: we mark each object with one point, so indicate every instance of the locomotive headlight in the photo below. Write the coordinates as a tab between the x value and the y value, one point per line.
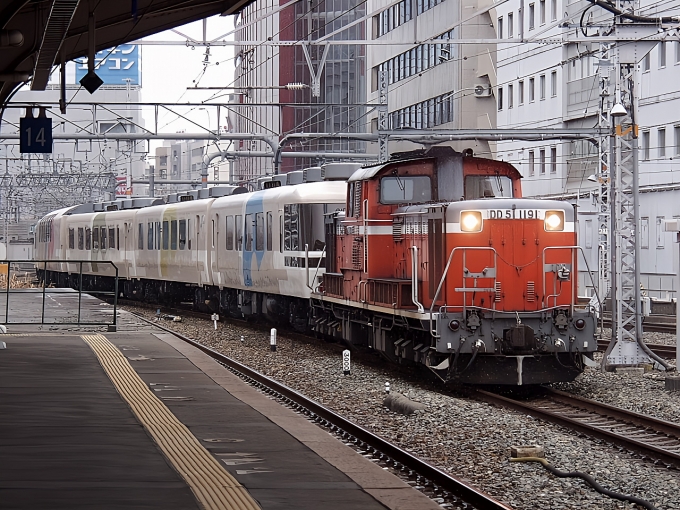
471	221
554	220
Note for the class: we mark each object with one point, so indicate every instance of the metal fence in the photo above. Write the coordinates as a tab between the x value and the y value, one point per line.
17	282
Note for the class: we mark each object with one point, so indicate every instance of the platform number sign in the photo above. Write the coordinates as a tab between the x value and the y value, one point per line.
36	135
345	362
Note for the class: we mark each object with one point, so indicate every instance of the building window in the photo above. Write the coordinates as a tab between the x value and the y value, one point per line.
660	234
531	90
510	25
646	63
662	54
510	94
541	12
500	98
500	27
553	160
520	92
531	162
542	86
532	14
644	233
554	10
541	156
553	84
645	145
662	142
676	131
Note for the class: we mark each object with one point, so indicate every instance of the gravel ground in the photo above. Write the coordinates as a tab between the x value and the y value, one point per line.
466	438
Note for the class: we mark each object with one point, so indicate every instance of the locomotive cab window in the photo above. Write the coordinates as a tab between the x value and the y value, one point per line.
487	186
399	189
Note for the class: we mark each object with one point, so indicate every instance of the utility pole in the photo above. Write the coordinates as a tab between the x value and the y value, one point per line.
618	171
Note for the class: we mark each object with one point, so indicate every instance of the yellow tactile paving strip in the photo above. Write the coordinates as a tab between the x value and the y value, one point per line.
213	486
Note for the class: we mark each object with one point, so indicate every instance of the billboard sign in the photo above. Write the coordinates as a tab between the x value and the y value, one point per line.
114	66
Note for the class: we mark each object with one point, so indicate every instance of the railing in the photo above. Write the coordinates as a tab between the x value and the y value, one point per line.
44	290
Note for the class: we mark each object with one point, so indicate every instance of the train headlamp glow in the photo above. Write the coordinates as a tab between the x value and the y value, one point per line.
554	220
471	221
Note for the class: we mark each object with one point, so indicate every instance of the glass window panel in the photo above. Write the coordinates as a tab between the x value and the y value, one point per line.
259	231
239	232
112	238
182	234
230	232
166	235
270	227
95	238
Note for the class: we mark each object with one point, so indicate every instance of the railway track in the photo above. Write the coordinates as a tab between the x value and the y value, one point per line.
650	437
665	351
431	480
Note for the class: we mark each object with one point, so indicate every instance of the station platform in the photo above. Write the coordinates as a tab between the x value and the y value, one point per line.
140	419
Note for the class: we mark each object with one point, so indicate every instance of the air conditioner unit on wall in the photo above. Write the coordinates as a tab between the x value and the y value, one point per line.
482	90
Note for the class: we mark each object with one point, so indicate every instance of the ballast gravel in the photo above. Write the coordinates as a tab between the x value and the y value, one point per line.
466	438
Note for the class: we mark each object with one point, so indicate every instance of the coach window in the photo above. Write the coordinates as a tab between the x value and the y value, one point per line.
230	232
149	236
249	232
259	231
88	238
182	234
95	238
112	238
173	235
270	227
117	237
189	234
157	235
71	239
239	232
213	233
405	189
102	238
81	238
165	233
140	236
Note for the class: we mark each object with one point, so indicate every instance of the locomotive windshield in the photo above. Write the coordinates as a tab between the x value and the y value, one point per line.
487	186
402	189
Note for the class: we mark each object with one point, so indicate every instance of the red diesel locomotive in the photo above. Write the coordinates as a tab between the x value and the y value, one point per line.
438	260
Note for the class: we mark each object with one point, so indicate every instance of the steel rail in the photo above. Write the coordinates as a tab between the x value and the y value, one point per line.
611	431
469	494
665	351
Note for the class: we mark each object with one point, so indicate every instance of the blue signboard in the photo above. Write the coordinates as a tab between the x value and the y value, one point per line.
114	66
35	135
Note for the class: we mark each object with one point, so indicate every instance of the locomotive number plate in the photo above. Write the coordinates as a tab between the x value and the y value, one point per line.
513	214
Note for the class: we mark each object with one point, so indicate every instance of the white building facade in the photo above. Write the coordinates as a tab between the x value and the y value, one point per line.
551	85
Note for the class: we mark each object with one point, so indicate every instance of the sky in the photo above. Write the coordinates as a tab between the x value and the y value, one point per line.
168	70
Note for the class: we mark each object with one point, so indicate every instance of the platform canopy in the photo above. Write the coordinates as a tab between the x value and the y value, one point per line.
36	35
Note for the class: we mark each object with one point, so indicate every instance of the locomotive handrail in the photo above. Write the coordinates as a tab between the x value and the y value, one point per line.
414	279
433	332
590	273
318	265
